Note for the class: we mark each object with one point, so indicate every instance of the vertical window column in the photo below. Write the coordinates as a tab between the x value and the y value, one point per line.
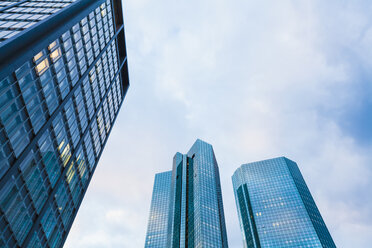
31	96
49	158
13	117
32	175
14	209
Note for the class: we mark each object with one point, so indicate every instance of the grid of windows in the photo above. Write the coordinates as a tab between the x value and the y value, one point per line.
314	214
8	3
56	111
209	222
16	16
196	216
271	210
158	220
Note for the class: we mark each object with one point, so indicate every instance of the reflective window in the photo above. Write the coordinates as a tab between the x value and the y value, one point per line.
14	209
34	181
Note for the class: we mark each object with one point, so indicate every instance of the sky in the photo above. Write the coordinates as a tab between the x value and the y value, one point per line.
257	80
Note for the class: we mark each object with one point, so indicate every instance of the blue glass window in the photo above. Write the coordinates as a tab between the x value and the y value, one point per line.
89	150
15	211
101	124
50	94
62	140
88	97
49	158
34	181
34	242
13	119
80	106
72	122
82	166
48	221
72	181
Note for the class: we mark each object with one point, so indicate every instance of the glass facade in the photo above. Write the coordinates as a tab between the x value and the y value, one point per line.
196	215
59	98
275	207
17	15
158	220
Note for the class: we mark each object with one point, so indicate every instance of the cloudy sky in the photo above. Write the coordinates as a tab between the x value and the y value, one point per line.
256	79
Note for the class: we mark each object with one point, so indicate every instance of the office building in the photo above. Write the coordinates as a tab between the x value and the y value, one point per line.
194	202
157	229
63	78
275	207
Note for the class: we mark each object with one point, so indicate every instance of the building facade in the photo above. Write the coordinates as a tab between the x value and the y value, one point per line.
157	229
195	209
63	78
275	207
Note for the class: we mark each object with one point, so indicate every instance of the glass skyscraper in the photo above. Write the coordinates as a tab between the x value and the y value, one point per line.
158	219
275	207
63	78
192	196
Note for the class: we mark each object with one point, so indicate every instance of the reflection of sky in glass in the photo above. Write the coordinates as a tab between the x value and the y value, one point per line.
158	219
280	215
209	228
186	207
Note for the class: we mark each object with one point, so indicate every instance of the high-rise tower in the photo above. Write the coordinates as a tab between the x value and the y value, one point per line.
157	229
275	206
196	216
63	78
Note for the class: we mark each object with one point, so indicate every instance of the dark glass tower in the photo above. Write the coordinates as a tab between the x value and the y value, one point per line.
275	206
196	216
63	78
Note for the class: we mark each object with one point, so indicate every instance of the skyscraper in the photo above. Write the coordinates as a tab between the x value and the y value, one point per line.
196	216
157	229
275	207
63	78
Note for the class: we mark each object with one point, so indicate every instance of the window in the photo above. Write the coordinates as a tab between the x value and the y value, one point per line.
42	67
55	55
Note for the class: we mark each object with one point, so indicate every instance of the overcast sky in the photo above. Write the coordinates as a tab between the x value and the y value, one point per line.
256	79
